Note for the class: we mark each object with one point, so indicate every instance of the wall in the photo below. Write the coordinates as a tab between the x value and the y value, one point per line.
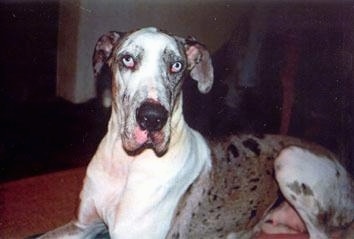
81	23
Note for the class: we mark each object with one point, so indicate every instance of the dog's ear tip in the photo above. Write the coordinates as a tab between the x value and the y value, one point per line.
204	89
205	79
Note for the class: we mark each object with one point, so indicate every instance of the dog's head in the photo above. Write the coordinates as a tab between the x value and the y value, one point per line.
148	67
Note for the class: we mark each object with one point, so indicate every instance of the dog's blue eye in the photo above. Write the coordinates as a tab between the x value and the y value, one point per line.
176	67
128	61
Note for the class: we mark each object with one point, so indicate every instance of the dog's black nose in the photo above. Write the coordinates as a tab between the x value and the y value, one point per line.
151	116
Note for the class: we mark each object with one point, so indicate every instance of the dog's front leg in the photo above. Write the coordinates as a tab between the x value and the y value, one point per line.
87	224
104	184
75	230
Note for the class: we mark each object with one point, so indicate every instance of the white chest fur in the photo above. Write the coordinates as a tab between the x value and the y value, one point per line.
154	187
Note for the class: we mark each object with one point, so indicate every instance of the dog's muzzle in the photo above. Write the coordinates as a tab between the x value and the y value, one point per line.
149	129
151	116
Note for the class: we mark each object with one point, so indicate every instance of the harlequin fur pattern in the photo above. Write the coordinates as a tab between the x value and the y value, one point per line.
154	177
235	198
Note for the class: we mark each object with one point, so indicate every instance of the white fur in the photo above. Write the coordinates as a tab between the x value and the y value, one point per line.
155	185
152	189
328	187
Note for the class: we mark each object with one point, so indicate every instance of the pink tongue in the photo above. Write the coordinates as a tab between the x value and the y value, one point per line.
140	135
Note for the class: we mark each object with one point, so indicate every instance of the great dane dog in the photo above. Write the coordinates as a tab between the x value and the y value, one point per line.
154	177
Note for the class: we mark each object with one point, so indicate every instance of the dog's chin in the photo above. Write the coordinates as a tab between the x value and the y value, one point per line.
155	141
160	149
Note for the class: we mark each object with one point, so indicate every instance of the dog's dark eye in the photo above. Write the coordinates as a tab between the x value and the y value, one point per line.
176	67
128	61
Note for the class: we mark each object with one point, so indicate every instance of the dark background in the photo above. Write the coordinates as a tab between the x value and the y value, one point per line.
41	133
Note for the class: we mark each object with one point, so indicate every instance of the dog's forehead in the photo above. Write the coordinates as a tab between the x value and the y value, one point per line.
151	39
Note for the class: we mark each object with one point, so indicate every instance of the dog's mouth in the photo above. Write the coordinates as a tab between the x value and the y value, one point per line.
141	139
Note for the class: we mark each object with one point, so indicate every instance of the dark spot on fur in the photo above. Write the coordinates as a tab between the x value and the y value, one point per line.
236	187
341	220
298	189
253	214
325	216
233	150
178	213
270	158
252	145
225	182
175	235
306	190
125	96
293	197
254	180
215	197
337	174
253	188
295	187
219	229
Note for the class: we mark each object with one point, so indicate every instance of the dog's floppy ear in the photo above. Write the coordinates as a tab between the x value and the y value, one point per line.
199	64
103	50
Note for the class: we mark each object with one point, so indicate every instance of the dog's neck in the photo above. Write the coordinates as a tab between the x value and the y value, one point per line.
161	179
179	126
